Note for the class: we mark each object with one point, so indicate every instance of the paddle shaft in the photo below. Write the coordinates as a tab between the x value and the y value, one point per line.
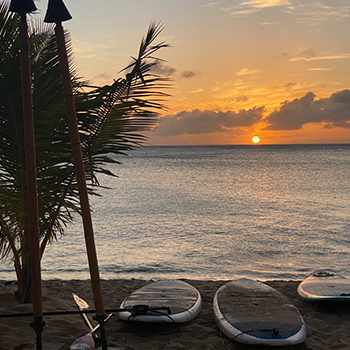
82	305
62	312
78	312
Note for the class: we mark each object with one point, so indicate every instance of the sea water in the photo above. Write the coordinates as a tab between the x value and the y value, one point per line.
215	212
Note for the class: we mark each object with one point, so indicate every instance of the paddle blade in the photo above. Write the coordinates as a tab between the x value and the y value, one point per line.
85	342
80	302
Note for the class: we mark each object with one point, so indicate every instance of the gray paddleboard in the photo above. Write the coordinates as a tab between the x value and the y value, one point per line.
325	285
183	300
252	312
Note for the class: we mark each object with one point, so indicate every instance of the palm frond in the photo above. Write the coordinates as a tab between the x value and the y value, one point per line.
110	121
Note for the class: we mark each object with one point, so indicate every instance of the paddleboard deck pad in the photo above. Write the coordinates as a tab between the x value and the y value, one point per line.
254	313
163	301
324	285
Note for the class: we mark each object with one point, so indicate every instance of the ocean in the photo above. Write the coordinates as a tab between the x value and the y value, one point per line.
215	212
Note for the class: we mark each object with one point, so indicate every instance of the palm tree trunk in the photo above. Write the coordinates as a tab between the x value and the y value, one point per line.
27	295
18	269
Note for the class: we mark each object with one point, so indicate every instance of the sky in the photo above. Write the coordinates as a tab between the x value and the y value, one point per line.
278	69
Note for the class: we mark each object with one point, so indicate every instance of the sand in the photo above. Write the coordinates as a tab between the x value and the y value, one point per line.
328	327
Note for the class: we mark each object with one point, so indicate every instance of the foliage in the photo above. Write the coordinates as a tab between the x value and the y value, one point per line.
110	119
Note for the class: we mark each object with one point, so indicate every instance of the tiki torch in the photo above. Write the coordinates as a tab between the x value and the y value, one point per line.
57	13
23	7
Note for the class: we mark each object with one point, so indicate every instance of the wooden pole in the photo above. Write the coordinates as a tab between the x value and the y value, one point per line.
56	13
79	171
24	7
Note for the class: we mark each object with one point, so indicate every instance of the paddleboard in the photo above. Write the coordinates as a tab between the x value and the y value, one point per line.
325	285
254	313
163	301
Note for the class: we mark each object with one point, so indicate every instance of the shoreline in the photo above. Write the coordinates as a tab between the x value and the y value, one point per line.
326	328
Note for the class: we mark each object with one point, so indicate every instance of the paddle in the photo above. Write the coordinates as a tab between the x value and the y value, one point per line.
82	305
89	339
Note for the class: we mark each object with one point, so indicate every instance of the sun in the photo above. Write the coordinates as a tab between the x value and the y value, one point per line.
256	139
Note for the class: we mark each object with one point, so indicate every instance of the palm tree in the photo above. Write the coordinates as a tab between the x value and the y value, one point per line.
110	120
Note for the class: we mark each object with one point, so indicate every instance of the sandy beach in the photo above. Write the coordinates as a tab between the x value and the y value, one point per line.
327	327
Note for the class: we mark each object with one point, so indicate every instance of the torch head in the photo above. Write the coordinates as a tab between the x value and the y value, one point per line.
57	12
22	6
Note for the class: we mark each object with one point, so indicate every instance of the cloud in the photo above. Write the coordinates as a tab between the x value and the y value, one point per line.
271	23
202	122
317	58
197	91
252	6
310	13
290	84
319	69
307	52
163	69
341	97
242	98
212	4
316	12
188	74
90	49
246	71
331	112
260	4
103	78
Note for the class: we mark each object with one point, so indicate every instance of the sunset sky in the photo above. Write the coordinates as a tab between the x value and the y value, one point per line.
279	69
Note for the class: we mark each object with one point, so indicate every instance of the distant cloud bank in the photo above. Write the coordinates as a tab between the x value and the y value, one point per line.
332	112
202	122
308	12
167	71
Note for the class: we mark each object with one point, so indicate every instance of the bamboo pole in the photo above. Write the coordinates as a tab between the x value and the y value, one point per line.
56	13
23	7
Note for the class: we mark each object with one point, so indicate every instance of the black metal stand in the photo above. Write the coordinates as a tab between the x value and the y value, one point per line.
38	325
101	321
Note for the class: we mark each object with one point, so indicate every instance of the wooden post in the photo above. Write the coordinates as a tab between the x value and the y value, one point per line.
56	13
23	7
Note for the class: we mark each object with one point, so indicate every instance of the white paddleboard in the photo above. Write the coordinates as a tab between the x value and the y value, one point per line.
182	300
325	286
254	313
